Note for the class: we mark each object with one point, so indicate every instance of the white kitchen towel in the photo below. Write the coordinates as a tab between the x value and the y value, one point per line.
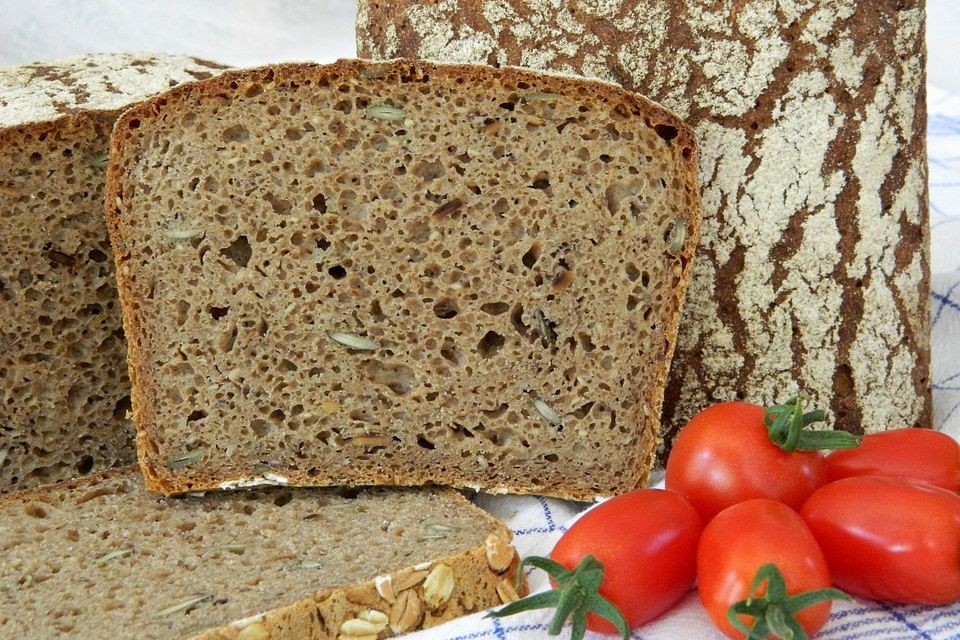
539	522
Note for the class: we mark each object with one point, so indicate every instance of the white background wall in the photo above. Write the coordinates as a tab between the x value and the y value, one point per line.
249	32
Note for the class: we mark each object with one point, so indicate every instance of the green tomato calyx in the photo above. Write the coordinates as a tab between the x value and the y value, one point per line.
576	595
788	425
775	613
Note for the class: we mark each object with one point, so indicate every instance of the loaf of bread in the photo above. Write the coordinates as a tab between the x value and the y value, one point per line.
101	557
813	268
400	273
64	394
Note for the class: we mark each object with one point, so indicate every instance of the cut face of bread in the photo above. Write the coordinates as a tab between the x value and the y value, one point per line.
102	557
401	273
64	393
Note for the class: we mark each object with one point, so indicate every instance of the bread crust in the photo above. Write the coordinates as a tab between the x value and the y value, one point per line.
145	388
479	577
813	272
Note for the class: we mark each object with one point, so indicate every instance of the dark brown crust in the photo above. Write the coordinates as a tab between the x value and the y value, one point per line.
886	35
158	476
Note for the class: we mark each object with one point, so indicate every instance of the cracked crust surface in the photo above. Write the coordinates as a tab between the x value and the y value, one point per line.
63	383
510	248
266	564
813	270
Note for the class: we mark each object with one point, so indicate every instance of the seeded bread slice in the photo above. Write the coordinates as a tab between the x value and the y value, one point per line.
64	393
102	557
401	273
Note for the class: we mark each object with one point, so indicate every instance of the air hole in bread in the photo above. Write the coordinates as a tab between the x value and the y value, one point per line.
496	412
665	131
320	203
239	251
260	427
236	133
445	309
495	308
280	206
542	182
398	378
490	344
531	256
228	339
585	342
121	408
85	464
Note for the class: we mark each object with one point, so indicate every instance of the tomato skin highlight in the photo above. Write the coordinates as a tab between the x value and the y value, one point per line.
889	539
920	455
743	538
724	455
647	543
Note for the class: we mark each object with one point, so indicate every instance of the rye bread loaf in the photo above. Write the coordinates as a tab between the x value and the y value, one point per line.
63	384
401	273
103	558
813	271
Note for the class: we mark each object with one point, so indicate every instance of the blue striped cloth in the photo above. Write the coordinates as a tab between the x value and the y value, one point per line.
539	522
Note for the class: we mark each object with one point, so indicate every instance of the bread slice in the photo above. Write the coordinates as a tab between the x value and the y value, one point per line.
102	557
401	273
64	393
814	267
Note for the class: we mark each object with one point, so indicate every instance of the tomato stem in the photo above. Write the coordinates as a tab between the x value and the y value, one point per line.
775	613
576	595
788	424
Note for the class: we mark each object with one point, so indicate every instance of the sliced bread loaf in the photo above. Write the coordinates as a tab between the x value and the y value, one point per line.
102	557
400	273
64	394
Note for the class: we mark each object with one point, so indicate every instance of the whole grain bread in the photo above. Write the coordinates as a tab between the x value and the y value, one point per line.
63	385
400	273
101	557
813	271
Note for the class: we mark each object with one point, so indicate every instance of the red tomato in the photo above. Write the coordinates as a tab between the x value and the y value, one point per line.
647	543
725	455
743	538
921	455
889	539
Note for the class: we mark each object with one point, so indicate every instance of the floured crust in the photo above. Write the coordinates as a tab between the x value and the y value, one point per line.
109	82
146	384
412	598
813	272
